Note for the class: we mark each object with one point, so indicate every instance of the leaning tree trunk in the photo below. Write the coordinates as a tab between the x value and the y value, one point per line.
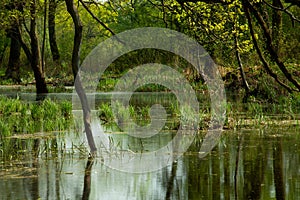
259	51
52	32
35	61
75	67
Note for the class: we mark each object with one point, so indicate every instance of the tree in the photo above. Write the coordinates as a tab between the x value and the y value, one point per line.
16	12
75	68
34	55
13	67
269	45
52	30
257	20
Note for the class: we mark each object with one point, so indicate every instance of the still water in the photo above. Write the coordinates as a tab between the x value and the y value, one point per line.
246	164
251	162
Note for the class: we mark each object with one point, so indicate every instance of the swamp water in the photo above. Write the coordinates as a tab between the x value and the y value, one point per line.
248	163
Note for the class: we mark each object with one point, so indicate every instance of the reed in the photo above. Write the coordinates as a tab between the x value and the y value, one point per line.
18	116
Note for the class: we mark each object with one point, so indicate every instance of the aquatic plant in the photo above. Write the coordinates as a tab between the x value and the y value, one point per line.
140	114
106	84
260	114
17	116
105	113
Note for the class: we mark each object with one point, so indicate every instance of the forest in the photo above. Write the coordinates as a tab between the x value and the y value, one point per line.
68	131
255	43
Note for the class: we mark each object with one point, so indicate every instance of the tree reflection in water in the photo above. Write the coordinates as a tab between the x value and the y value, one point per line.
87	178
278	169
248	165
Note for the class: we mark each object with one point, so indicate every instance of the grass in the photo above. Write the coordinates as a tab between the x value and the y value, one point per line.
239	115
258	114
17	116
141	115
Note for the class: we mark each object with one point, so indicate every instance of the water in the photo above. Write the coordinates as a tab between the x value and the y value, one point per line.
246	164
251	162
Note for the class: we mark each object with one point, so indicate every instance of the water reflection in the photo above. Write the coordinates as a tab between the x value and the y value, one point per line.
248	164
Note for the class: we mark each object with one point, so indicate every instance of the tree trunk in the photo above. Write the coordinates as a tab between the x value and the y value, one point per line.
52	32
241	68
13	68
44	35
75	67
36	65
277	25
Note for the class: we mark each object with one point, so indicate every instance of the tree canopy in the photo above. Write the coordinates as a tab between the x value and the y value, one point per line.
245	37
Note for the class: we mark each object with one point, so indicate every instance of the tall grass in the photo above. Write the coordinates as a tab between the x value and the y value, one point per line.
17	116
259	113
141	115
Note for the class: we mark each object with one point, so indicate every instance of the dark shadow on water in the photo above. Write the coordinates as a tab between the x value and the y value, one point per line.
41	97
255	163
172	178
237	164
278	169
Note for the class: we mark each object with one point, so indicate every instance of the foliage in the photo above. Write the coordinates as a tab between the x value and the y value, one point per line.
213	25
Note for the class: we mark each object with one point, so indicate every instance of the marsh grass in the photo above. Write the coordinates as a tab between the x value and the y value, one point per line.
141	115
137	113
259	114
27	151
17	116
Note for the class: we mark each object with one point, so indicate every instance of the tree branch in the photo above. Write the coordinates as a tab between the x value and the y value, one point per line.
263	60
24	46
96	18
270	46
241	68
283	10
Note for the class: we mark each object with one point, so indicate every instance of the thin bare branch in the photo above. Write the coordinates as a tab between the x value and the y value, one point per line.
285	10
96	18
270	46
260	54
